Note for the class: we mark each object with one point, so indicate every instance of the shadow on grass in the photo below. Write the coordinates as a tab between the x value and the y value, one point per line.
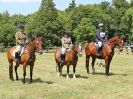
77	76
37	80
110	74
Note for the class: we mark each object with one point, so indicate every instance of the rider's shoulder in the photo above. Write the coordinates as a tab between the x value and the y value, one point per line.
98	30
17	32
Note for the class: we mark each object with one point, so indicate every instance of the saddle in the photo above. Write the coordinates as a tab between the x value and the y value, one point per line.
22	51
99	50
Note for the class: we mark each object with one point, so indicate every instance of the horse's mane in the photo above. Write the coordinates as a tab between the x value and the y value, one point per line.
112	39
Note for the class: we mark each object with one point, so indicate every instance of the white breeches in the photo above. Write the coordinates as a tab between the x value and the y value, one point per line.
63	50
100	44
19	49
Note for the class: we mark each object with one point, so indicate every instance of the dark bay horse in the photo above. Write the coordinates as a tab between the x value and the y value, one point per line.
27	58
107	52
71	58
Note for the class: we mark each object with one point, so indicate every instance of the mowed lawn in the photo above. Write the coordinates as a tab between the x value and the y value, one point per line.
46	84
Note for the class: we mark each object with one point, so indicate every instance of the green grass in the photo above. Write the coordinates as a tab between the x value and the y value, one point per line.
46	84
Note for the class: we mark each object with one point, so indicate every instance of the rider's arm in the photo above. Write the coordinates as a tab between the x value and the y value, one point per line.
17	39
62	41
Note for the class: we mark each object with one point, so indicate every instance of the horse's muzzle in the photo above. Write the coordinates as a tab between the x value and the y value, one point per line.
40	52
121	49
80	54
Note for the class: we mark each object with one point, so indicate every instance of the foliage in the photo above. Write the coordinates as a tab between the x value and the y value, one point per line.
80	21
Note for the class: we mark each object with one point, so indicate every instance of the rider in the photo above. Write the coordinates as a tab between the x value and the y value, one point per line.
66	45
100	38
20	41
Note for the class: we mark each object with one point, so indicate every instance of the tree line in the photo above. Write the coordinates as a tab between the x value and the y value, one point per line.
80	21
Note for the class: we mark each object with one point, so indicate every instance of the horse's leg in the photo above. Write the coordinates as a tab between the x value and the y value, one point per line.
15	68
93	63
74	70
24	72
87	63
11	70
59	69
31	71
107	62
67	76
61	66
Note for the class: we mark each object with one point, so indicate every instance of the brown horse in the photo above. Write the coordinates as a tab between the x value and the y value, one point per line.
27	58
107	52
71	58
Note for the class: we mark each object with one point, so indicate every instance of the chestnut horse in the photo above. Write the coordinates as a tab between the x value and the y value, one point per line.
27	58
107	52
71	58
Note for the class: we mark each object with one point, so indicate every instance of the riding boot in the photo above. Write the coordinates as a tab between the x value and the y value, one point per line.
17	57
76	56
99	52
62	58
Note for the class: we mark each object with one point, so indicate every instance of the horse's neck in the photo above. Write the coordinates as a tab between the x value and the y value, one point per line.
111	42
31	47
74	49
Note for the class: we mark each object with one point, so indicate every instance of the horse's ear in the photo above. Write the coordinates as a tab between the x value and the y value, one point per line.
35	34
123	37
32	38
116	34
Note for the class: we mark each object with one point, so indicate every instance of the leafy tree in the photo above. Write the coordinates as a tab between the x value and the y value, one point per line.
85	31
7	35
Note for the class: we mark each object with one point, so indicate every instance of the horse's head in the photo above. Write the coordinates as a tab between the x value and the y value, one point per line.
79	49
38	45
119	42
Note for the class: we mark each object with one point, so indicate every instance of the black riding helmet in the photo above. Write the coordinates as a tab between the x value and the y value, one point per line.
21	26
66	33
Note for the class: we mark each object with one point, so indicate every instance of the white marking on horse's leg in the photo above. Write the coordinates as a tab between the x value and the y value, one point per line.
101	65
67	76
74	76
58	74
93	70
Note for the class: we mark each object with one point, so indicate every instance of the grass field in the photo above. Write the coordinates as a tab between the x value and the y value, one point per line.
46	84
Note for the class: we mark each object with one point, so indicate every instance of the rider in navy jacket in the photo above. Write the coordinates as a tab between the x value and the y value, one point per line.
100	38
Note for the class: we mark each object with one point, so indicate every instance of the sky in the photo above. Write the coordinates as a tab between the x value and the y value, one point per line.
30	6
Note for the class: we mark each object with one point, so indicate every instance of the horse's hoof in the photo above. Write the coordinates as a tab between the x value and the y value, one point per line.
16	78
74	77
107	75
11	79
30	82
67	77
23	82
58	75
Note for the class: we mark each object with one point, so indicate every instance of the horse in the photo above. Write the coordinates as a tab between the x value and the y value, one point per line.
27	58
71	58
107	52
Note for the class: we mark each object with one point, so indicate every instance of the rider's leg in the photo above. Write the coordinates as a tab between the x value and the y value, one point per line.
63	52
99	48
17	53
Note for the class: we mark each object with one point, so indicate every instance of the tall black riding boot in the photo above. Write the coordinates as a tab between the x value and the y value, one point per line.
17	57
99	52
62	58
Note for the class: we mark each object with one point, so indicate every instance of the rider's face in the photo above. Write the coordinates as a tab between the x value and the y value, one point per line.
21	30
66	36
101	28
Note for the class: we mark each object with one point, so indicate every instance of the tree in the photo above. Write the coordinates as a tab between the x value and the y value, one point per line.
7	35
72	5
85	31
45	21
